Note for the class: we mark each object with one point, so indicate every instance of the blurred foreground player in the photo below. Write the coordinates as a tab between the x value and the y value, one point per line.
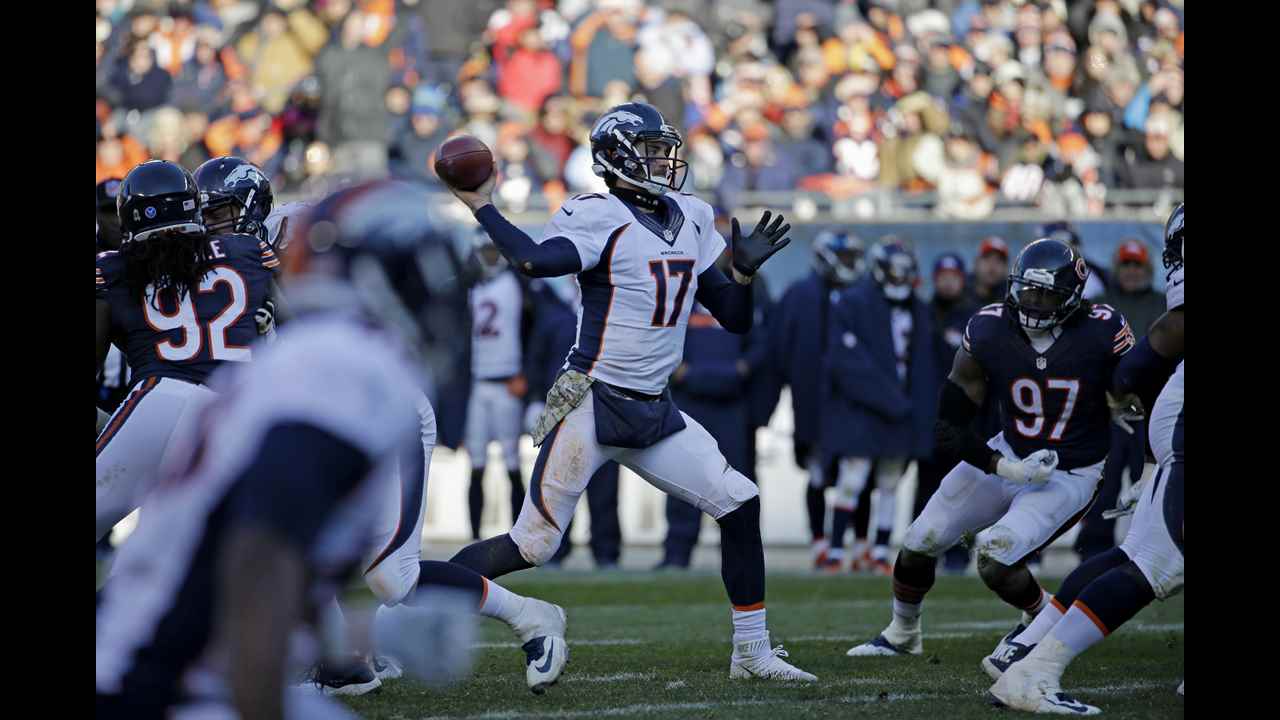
643	253
1107	591
270	495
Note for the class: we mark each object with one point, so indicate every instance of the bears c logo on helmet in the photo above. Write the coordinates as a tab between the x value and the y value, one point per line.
1082	270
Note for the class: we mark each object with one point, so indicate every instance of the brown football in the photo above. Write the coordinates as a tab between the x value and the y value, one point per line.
464	162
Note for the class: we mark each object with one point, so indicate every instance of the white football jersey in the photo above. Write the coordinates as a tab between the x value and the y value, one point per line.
496	305
350	381
638	284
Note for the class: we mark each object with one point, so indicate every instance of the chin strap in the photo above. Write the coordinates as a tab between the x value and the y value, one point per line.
636	197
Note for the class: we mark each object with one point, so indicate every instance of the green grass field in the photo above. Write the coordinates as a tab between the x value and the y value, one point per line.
657	645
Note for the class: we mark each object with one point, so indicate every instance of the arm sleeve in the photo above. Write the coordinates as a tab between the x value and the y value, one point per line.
556	255
730	303
953	433
296	481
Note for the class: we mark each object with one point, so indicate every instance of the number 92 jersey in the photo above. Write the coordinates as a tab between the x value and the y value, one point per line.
213	323
1056	400
638	279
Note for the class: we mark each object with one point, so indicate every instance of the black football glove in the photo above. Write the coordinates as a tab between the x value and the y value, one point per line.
750	252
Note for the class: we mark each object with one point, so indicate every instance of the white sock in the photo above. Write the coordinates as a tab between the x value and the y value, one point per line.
1048	616
906	619
749	625
499	602
1077	631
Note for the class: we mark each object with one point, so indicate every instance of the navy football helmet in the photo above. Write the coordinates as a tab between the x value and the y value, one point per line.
158	195
1047	283
1173	240
380	249
838	256
632	142
894	268
231	183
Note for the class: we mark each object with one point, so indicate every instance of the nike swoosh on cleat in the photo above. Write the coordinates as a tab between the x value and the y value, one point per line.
547	665
1067	703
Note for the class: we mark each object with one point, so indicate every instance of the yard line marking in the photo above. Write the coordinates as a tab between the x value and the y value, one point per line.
866	637
1123	689
613	641
677	707
616	677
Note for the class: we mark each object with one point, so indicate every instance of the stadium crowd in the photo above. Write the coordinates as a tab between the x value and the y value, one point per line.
980	101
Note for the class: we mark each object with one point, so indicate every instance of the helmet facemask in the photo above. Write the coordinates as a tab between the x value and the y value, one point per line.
1040	303
647	159
225	213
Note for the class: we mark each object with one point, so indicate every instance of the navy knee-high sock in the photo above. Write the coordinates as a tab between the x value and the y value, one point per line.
492	558
816	501
475	500
435	573
840	519
742	556
1085	573
517	493
1115	597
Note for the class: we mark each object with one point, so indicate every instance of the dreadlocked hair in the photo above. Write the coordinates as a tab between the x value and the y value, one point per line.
168	260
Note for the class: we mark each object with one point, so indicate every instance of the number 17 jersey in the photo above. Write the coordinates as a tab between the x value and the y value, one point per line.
638	280
187	339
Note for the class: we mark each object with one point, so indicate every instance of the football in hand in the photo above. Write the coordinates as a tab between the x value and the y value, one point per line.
464	162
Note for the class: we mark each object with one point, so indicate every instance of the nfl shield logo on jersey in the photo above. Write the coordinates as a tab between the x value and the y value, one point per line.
669	237
1041	363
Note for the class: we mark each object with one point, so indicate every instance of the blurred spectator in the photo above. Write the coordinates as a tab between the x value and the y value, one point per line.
202	77
551	140
118	152
174	41
194	125
518	176
603	45
279	53
990	271
758	167
685	52
962	191
354	75
452	26
658	84
166	137
413	147
1131	292
139	82
530	74
798	143
1152	165
911	156
706	161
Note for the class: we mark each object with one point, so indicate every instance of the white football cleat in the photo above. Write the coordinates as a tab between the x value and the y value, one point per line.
1005	654
542	626
754	659
890	643
386	668
1025	686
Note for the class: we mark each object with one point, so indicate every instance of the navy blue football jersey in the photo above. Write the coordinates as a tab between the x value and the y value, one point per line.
1058	400
212	324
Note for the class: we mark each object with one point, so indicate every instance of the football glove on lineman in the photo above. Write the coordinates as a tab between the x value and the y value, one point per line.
265	317
1126	409
1033	469
750	253
1126	503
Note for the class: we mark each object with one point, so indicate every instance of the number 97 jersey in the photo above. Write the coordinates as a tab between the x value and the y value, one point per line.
188	338
1055	400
